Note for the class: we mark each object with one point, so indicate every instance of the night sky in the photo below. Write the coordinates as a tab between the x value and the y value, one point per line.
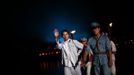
37	19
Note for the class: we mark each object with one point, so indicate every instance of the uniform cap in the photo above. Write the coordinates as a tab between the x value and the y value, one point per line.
95	24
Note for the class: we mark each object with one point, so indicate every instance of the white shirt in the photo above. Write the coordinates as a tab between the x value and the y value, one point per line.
113	50
71	61
70	51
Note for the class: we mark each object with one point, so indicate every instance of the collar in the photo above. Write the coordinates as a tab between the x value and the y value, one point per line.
101	34
68	40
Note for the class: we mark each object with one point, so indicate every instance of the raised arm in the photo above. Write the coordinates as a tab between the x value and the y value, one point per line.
56	36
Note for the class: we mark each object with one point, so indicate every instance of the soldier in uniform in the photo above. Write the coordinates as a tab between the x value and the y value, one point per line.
100	45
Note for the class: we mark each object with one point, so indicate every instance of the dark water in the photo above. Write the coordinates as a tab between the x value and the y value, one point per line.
51	68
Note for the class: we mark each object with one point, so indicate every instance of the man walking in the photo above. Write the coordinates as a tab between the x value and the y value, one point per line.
71	50
100	45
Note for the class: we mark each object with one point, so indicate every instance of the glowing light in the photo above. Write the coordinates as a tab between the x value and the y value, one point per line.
39	54
56	52
42	53
73	31
110	24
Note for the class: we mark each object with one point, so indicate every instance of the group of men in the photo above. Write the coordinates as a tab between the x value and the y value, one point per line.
95	53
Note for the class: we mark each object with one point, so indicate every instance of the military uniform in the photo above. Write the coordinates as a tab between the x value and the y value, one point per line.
100	46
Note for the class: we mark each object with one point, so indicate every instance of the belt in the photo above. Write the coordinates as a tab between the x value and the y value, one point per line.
100	53
113	52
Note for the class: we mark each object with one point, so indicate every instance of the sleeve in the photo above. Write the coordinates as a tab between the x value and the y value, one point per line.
113	46
88	48
79	45
108	44
59	44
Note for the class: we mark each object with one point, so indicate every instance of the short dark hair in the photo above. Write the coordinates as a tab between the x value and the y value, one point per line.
65	30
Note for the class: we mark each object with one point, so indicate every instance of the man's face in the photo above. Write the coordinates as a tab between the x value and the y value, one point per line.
96	30
84	42
65	36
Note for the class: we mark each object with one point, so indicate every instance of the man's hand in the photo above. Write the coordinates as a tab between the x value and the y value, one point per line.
56	33
82	64
110	63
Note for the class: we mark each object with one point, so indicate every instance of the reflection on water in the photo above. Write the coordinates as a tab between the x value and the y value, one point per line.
50	62
51	68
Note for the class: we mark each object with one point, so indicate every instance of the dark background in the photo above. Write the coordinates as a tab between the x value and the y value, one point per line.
31	23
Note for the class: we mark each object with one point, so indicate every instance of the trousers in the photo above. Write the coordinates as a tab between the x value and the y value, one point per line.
113	69
72	70
104	69
89	65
